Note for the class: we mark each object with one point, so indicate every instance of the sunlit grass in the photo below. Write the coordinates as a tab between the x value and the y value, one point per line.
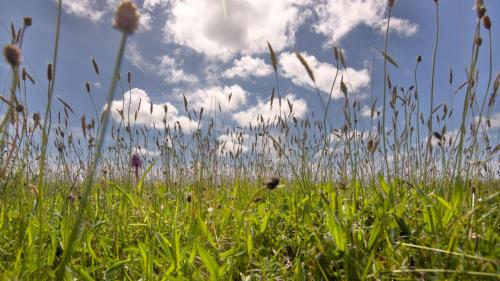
286	198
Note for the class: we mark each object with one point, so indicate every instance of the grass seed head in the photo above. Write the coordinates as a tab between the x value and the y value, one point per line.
126	17
479	41
12	55
272	183
49	72
487	22
372	145
480	9
27	21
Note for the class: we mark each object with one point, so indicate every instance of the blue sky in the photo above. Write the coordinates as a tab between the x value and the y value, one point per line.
193	48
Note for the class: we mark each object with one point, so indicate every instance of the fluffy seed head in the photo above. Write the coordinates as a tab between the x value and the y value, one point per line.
126	17
12	55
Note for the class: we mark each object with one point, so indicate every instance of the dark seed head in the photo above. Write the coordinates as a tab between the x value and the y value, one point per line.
487	22
50	73
20	108
272	183
27	21
189	197
479	41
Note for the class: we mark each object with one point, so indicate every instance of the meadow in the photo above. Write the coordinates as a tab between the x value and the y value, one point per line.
287	199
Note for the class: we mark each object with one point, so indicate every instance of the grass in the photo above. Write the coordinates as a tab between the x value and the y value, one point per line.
342	203
395	230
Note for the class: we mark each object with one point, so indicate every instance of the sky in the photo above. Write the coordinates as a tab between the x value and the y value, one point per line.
207	50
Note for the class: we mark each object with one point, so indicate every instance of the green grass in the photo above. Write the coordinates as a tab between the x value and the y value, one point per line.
381	231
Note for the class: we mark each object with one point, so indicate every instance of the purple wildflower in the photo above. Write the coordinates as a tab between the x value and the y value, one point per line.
136	162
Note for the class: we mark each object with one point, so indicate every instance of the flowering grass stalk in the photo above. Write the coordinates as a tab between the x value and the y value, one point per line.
126	20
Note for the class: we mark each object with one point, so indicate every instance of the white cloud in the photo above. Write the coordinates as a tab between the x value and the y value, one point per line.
252	115
169	68
366	111
324	74
248	66
165	66
98	10
495	121
135	57
202	25
233	143
145	21
211	98
152	4
338	17
140	105
402	27
83	8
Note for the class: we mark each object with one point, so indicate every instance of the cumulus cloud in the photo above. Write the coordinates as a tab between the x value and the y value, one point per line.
323	72
263	109
137	107
248	66
172	73
152	4
226	98
98	10
234	143
164	66
203	26
338	17
87	9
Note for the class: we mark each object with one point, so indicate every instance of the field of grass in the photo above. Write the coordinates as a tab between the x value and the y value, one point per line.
410	200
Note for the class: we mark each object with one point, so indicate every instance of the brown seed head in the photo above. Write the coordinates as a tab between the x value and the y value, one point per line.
50	74
272	183
12	55
480	10
20	108
479	41
28	21
487	22
391	2
372	145
419	59
126	17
